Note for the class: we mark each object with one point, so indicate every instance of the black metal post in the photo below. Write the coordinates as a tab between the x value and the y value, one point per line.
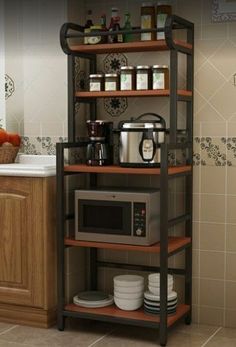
71	98
173	95
60	236
163	243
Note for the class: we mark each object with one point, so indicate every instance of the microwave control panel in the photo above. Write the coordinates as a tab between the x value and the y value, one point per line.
139	219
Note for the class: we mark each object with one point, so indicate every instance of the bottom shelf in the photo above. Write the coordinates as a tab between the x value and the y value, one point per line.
114	314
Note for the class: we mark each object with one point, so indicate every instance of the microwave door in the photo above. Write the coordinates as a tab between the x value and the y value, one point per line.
104	217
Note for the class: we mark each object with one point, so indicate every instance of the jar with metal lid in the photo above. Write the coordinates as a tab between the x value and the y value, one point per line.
93	40
148	20
160	77
111	82
163	10
127	78
143	77
96	82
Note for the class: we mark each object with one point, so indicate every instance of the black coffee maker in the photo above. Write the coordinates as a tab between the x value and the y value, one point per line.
99	149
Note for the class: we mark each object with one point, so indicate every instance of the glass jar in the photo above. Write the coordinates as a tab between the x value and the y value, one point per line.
127	78
111	82
148	21
160	77
163	10
95	83
94	40
143	77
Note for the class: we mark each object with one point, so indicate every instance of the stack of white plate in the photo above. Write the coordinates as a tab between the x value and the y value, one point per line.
93	299
154	283
152	303
128	292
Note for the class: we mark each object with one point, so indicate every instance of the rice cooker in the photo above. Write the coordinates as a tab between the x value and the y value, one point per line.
140	139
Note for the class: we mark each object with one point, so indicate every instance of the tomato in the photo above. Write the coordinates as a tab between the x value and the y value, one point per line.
3	136
14	139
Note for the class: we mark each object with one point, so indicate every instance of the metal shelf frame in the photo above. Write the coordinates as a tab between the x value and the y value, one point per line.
172	23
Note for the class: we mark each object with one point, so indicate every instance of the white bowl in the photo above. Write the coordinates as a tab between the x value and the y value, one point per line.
129	290
150	296
128	280
128	304
155	278
129	296
156	290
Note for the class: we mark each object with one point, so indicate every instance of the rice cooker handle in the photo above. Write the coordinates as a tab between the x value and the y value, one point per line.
147	146
161	119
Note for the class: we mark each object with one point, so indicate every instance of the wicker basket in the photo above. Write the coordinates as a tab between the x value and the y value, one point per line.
8	154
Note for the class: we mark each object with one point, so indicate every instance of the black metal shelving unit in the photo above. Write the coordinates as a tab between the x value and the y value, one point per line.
167	246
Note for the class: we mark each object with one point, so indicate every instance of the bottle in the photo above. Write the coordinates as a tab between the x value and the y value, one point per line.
104	27
115	26
127	26
148	21
163	10
87	26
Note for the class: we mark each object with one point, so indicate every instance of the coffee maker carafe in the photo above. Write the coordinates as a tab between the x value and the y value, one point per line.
99	149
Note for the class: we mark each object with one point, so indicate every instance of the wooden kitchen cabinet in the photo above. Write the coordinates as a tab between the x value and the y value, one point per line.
27	250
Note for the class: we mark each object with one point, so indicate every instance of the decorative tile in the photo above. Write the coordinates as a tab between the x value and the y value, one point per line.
114	61
196	152
115	106
81	81
213	151
77	65
30	145
9	86
230	143
49	144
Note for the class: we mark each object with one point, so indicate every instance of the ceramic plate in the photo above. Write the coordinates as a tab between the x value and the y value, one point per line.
93	304
93	295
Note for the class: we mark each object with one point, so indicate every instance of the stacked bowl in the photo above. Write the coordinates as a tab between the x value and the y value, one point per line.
128	292
152	296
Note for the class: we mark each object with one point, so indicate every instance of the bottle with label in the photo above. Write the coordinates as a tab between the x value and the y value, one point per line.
127	26
87	26
103	23
163	10
148	21
115	26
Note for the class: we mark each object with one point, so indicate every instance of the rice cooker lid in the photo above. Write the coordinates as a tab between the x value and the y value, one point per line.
142	125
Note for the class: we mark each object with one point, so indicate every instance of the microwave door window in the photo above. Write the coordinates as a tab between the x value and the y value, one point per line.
105	217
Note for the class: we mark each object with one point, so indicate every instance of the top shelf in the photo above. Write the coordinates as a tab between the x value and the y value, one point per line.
144	46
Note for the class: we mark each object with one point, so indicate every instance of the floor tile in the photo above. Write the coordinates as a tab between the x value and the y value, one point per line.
221	342
5	326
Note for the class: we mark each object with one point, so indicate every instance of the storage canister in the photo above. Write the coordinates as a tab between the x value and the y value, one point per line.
127	78
93	40
143	77
163	10
148	21
111	82
160	77
95	82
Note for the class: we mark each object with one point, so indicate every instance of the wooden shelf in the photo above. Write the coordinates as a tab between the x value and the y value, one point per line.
174	244
144	46
113	169
112	312
131	93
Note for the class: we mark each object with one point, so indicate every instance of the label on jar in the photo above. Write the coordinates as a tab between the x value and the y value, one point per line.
86	31
146	23
126	82
93	40
161	19
158	81
142	81
95	86
110	86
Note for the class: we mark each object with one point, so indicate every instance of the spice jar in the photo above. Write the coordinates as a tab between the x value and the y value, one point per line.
160	77
143	77
95	83
163	10
148	21
111	81
93	40
127	78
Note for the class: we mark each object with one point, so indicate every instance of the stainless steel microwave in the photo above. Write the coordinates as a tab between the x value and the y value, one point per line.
119	216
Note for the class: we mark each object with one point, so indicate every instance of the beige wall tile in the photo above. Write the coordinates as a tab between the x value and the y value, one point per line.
223	64
196	209
231	238
212	236
231	215
195	266
195	315
230	290
230	318
232	128
213	179
230	266
196	232
213	31
205	112
196	179
211	315
195	291
222	100
231	181
212	264
212	208
213	129
209	287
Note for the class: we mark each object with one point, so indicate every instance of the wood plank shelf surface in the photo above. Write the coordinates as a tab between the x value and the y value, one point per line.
144	46
131	93
83	168
174	243
138	315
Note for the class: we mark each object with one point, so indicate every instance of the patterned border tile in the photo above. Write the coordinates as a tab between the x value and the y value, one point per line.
9	86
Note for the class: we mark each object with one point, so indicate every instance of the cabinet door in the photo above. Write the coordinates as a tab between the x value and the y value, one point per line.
21	244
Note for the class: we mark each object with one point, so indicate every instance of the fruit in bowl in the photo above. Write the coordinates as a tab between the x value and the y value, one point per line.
7	139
